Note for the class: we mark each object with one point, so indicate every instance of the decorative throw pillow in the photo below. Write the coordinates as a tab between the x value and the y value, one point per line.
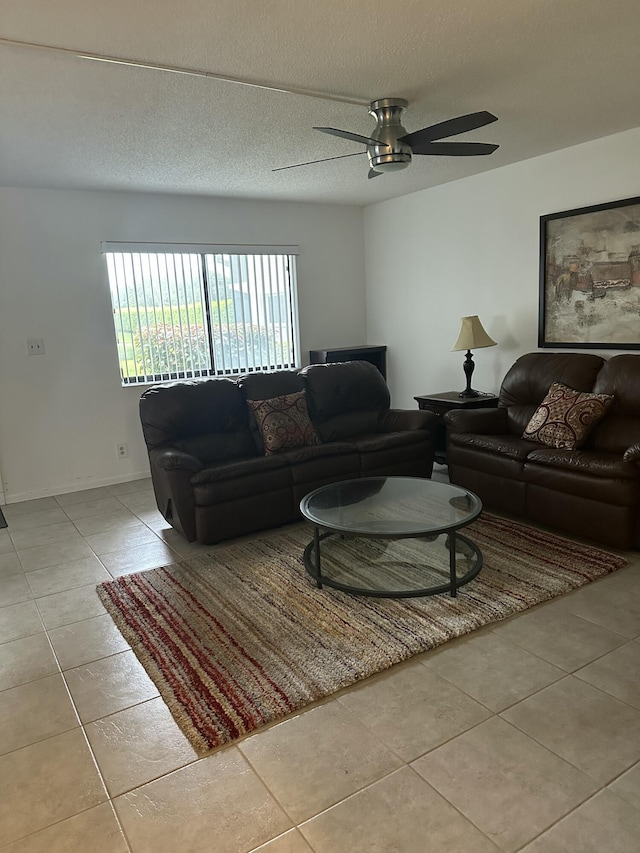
565	417
284	422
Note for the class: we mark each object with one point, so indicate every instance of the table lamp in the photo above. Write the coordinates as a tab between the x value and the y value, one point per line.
472	336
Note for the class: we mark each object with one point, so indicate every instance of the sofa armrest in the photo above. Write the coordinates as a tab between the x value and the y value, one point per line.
171	472
632	454
400	420
172	459
482	421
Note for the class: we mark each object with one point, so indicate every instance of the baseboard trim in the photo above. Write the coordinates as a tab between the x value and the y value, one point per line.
74	487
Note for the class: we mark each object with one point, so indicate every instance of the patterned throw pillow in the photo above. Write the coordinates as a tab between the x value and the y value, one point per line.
284	422
565	417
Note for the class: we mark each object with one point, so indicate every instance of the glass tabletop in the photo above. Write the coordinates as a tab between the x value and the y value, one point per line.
390	506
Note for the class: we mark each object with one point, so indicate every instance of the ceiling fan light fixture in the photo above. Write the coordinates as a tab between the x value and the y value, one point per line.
392	166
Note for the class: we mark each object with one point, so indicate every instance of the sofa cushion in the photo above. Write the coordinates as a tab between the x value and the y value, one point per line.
566	416
284	422
507	446
527	381
238	468
345	427
179	410
324	462
375	442
216	446
593	463
348	387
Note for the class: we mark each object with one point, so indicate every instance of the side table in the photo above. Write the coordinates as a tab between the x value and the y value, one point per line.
443	402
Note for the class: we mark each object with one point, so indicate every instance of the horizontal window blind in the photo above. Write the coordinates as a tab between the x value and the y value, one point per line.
188	314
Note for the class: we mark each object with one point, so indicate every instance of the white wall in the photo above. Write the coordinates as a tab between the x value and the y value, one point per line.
62	413
472	247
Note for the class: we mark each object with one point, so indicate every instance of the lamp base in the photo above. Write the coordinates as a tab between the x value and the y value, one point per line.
468	372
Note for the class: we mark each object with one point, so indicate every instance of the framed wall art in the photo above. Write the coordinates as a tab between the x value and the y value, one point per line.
590	277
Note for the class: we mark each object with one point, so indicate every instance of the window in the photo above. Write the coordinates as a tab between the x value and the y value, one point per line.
181	312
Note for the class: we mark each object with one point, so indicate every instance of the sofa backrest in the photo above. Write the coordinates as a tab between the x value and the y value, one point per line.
266	386
206	419
345	398
528	380
620	428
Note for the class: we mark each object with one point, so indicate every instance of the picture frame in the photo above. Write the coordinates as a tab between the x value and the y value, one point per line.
590	277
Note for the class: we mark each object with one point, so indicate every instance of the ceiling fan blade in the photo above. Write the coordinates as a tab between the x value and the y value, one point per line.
324	160
346	134
455	149
452	127
373	173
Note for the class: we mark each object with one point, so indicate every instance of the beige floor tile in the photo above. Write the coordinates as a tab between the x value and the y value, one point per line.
218	803
83	642
42	518
153	519
109	685
605	604
14	589
595	732
48	535
627	786
412	709
116	520
35	711
12	511
73	605
6	545
508	785
104	505
71	575
140	501
566	641
82	496
290	842
26	660
137	745
604	823
400	813
142	485
93	831
56	554
617	673
179	544
19	620
10	564
312	761
121	538
491	669
47	782
139	558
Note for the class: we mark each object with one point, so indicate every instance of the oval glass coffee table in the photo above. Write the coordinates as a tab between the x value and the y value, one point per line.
391	537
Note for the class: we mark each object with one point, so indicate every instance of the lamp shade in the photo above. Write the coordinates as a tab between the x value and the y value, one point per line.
472	335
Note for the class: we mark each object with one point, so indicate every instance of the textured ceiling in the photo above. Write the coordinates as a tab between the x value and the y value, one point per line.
555	73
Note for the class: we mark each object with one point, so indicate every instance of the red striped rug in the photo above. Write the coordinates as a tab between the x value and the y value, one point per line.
242	637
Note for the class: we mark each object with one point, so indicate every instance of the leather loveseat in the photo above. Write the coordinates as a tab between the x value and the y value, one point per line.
211	475
592	492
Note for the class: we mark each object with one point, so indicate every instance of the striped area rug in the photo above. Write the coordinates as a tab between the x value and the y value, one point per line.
241	637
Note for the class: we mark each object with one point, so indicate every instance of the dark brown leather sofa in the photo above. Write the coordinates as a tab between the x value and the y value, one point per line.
211	477
592	492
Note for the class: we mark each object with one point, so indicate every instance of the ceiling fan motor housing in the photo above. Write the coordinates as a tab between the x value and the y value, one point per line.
391	155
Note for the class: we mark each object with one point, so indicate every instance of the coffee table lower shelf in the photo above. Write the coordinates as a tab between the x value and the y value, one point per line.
313	563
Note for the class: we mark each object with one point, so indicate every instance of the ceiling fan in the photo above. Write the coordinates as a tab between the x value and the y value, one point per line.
390	148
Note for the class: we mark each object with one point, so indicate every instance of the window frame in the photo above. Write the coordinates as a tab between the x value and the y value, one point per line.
210	289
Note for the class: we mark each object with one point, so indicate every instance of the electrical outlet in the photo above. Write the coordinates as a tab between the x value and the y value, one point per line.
35	346
121	451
